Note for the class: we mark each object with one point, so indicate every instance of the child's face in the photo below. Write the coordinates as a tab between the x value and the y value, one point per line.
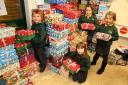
88	11
109	20
36	18
80	50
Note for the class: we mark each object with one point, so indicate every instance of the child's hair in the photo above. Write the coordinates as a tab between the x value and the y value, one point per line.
111	13
90	7
82	45
38	11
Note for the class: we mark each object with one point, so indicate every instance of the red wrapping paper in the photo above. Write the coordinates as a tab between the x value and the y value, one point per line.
88	26
7	41
25	32
61	26
71	65
2	25
26	60
72	14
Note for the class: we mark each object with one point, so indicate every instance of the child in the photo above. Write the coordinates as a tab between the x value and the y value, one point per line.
39	41
87	18
81	57
103	47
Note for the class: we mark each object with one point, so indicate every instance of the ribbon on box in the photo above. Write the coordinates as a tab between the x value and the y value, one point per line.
88	26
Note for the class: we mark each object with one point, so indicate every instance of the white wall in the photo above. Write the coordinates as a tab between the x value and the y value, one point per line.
120	7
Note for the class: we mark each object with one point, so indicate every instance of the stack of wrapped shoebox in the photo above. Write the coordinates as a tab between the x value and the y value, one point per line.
9	62
71	16
28	63
58	31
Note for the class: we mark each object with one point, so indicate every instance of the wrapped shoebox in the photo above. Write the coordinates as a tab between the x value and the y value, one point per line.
27	59
102	8
81	37
73	35
54	18
100	16
25	34
88	26
9	47
63	7
14	77
56	61
44	6
70	21
58	34
23	46
25	52
9	68
71	65
57	42
103	36
57	1
2	25
73	27
60	26
7	41
58	53
32	69
58	46
72	14
7	32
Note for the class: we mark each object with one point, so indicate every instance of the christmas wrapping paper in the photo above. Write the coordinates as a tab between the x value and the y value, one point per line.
7	41
58	53
9	68
54	18
60	26
102	8
25	34
70	21
88	26
100	16
7	32
27	59
63	7
72	14
103	36
31	69
57	1
57	42
71	65
59	46
2	25
9	47
15	77
44	6
56	61
79	37
58	34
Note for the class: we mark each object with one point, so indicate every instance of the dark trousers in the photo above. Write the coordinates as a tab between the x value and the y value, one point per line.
81	76
40	56
104	62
